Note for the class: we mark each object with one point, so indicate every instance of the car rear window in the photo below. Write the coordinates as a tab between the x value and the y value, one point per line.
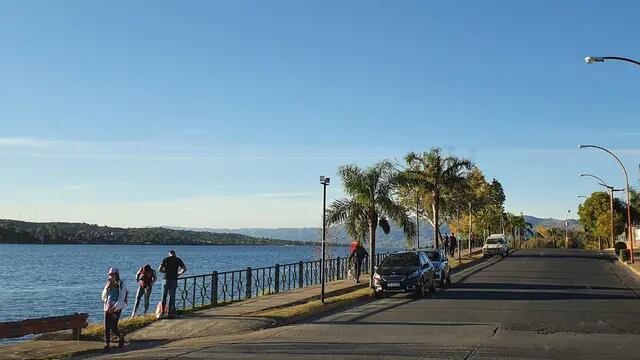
400	260
493	241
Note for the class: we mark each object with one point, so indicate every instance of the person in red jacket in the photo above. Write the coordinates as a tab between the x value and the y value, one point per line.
145	278
357	254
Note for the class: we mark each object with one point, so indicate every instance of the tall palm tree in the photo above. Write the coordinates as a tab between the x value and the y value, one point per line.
371	202
434	173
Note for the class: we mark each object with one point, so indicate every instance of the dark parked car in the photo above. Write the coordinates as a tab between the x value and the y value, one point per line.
441	264
406	271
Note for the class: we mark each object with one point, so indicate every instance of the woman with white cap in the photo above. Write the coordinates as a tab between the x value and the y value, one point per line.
114	297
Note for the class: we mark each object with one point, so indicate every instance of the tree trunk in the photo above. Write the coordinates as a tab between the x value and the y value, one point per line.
520	236
434	222
373	224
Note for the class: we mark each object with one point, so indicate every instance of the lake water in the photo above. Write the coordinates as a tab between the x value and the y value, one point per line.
49	280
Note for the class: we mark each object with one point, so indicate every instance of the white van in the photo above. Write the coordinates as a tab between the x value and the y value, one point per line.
495	244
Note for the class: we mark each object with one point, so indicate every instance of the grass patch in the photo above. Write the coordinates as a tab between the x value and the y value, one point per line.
95	332
314	307
453	263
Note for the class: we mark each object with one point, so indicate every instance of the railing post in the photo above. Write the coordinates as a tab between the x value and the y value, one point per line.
338	273
182	295
247	291
300	274
214	288
276	280
193	296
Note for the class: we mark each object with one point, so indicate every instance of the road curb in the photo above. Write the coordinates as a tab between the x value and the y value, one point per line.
628	266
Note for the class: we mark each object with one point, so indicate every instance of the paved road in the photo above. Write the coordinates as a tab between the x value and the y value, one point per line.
565	304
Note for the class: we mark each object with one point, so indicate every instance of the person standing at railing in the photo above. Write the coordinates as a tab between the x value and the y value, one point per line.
172	267
356	258
145	278
114	296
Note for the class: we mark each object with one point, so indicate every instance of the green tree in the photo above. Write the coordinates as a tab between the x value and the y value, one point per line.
595	215
371	203
434	174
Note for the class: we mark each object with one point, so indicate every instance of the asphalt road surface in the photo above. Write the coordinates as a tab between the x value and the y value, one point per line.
546	303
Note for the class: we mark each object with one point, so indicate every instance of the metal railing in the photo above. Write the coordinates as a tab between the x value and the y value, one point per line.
228	286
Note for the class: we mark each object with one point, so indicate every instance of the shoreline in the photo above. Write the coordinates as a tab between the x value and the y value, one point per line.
306	243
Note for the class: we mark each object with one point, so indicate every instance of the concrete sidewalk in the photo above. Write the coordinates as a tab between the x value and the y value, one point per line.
231	319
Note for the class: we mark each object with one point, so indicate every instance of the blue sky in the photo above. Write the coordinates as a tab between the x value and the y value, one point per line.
224	114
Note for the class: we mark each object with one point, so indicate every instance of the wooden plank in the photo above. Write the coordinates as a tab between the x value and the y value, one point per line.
15	329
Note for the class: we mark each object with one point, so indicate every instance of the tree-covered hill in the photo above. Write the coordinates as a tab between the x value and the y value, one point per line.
21	232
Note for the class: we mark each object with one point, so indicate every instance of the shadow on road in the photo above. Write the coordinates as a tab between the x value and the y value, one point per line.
510	286
337	349
567	254
483	294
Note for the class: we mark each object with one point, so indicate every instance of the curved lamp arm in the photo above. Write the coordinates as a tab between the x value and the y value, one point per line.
610	153
595	59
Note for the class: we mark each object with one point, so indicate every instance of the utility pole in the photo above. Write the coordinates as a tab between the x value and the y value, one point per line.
566	230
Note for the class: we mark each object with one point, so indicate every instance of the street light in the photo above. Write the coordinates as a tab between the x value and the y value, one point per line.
417	221
599	59
325	182
610	190
583	196
629	227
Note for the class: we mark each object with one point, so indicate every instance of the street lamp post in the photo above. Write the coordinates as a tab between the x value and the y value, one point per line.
610	191
629	227
459	244
325	182
470	228
417	222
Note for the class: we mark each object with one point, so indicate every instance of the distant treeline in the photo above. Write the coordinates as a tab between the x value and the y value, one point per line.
21	232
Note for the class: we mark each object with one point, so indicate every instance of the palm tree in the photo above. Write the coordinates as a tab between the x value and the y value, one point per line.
517	224
370	203
434	174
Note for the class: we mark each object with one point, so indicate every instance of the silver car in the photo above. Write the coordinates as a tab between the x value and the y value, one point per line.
441	264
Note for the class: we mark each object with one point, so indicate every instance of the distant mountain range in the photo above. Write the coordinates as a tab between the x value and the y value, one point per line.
22	232
551	222
13	231
394	238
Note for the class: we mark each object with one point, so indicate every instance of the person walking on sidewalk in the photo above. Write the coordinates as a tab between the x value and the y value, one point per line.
356	258
453	244
169	267
114	296
145	278
445	243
